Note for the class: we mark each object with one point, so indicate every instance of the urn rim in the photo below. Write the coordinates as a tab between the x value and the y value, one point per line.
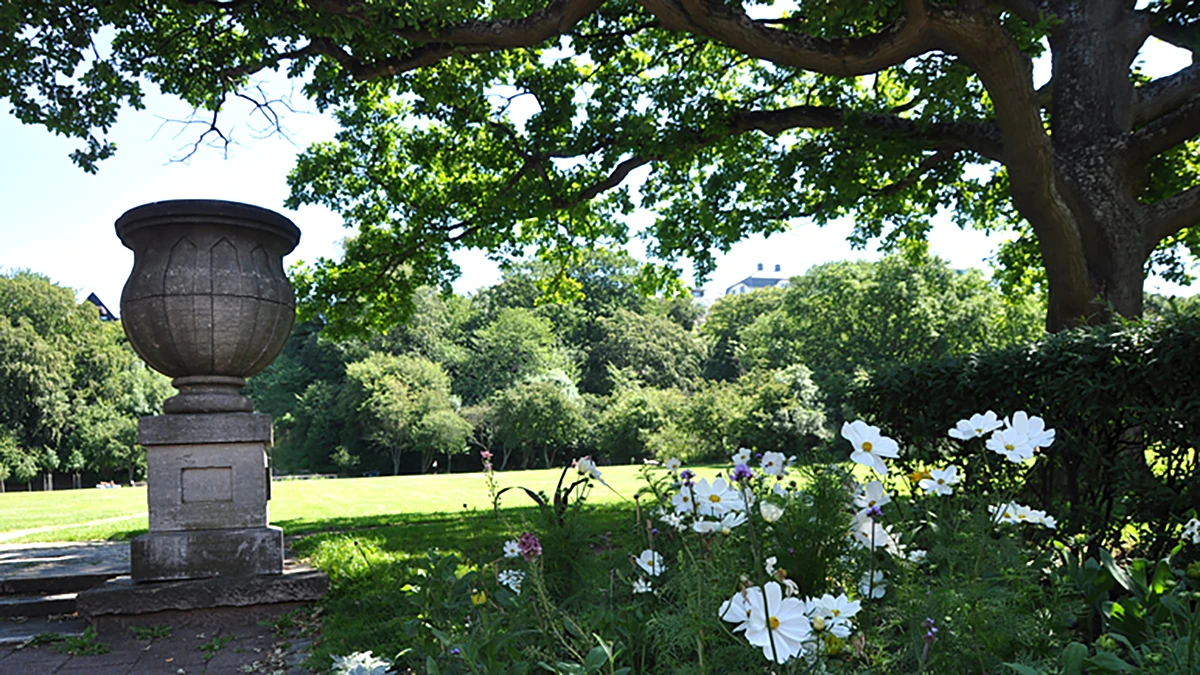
206	212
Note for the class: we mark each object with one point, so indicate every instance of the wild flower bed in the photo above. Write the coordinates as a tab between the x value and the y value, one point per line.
785	568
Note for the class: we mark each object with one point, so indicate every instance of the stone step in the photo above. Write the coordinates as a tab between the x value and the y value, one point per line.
37	605
25	631
50	584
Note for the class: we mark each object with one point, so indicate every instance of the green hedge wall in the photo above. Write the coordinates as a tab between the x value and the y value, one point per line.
1124	399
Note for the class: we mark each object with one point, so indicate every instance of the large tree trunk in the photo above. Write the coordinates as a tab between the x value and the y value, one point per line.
1079	185
1091	114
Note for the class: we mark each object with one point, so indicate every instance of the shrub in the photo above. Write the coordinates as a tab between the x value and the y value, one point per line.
1124	402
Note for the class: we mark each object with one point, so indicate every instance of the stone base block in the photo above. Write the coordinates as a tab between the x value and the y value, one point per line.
126	601
199	554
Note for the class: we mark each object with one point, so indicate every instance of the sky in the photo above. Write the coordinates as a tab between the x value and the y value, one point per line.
58	220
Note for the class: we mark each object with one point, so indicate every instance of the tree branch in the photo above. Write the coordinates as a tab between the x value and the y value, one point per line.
1164	95
1164	133
910	35
981	137
1171	215
433	45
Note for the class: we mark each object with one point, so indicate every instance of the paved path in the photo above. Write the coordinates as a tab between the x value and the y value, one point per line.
211	642
186	651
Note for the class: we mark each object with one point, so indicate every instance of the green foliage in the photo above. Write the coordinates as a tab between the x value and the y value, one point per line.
441	432
632	415
517	345
71	389
843	318
656	351
1123	462
782	411
537	420
727	319
398	399
462	127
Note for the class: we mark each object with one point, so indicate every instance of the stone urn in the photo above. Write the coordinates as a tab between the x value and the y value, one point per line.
207	303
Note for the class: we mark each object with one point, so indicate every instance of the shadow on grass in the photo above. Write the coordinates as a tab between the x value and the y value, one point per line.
478	535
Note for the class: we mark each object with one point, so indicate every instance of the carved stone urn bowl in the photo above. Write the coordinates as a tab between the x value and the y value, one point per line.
207	303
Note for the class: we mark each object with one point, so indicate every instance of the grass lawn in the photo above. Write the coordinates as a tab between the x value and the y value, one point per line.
303	505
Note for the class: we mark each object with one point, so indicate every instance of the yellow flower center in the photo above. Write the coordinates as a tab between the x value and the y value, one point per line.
867	446
774	623
978	430
835	612
941	481
1009	447
871	503
714	498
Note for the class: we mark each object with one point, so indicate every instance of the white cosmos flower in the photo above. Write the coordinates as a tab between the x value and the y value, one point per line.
916	555
674	520
769	565
512	579
870	447
725	525
872	494
742	456
1033	428
651	562
511	548
673	464
940	480
1020	437
873	587
780	490
684	500
770	512
1014	445
586	466
641	586
776	624
773	463
975	427
1014	513
1191	530
868	533
718	498
737	610
836	613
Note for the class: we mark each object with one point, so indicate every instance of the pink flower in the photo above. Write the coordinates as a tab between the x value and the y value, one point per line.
529	546
486	455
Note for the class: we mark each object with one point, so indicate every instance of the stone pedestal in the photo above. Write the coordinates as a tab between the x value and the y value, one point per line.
208	484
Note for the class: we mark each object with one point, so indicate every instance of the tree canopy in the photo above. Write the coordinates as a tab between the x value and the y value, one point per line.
526	123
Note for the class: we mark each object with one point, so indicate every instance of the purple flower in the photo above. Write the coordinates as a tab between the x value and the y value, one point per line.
529	546
742	472
875	512
686	476
455	652
930	631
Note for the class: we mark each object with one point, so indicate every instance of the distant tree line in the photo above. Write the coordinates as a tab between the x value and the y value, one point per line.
608	372
615	374
71	388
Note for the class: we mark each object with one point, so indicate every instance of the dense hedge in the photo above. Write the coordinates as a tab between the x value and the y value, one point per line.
1125	400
